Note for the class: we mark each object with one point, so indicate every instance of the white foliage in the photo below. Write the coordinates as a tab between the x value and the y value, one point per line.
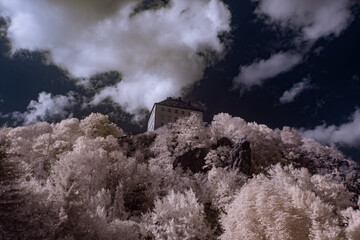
223	125
178	216
352	218
217	157
21	138
98	125
286	205
191	133
84	169
79	180
67	130
223	185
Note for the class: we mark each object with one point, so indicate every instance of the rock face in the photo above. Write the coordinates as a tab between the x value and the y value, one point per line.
240	157
193	160
224	141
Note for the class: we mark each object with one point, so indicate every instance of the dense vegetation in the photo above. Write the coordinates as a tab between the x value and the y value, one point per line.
85	180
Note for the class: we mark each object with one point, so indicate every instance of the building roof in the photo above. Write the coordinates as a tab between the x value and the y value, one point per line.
179	103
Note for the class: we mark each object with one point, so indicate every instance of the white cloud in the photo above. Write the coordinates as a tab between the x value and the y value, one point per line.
157	50
315	18
289	95
256	73
45	108
347	134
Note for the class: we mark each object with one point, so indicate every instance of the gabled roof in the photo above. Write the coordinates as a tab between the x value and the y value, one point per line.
179	103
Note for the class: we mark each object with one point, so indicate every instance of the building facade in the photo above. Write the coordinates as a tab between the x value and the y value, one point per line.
169	111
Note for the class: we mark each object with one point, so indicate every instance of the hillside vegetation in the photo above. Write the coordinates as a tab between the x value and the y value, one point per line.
228	180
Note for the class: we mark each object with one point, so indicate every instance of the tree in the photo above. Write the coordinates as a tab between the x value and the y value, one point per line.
287	204
98	125
178	216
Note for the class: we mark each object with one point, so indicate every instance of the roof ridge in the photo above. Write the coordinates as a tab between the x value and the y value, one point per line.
178	102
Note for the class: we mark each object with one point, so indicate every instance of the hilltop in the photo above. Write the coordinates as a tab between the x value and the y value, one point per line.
85	179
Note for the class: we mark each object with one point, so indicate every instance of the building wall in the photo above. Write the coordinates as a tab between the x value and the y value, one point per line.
151	122
166	114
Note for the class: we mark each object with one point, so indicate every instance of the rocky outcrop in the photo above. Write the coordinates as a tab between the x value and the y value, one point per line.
222	142
240	157
193	160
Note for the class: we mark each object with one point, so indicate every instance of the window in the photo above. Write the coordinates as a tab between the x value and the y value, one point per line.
169	110
189	113
182	112
162	109
176	111
162	124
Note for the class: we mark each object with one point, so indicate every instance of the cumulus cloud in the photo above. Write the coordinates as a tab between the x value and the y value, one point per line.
289	95
159	51
46	107
256	73
347	134
315	19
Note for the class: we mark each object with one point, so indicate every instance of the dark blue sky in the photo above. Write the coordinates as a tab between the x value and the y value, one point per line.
334	72
331	63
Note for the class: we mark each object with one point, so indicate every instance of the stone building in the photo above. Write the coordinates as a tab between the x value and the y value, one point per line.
169	111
